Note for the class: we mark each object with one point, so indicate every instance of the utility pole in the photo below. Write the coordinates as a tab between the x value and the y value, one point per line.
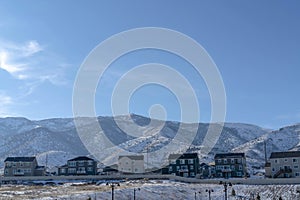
46	161
225	184
196	195
265	149
134	190
209	193
113	185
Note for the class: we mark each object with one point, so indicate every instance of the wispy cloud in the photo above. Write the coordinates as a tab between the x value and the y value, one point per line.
31	61
6	102
31	64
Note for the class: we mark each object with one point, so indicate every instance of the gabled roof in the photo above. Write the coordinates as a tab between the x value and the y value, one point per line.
133	157
287	154
19	159
79	158
229	155
183	156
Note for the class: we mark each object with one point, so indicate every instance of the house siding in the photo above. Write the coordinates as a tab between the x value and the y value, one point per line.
22	166
185	165
285	165
78	166
230	165
131	164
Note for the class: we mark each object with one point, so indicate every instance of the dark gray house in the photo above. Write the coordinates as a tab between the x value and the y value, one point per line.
207	170
185	165
229	165
22	166
81	165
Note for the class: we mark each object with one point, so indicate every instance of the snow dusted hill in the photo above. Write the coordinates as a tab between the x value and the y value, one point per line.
58	138
284	139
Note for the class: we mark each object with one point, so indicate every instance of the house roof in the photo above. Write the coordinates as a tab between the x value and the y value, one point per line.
63	166
19	159
287	154
183	156
133	157
40	167
229	155
79	158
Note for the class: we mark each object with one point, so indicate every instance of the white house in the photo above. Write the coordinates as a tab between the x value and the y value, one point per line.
283	165
131	164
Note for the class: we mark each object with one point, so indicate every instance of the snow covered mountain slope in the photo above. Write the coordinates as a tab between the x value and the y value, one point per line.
284	139
58	137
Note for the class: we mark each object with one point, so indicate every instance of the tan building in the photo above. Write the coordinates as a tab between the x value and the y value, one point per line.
131	164
23	166
284	164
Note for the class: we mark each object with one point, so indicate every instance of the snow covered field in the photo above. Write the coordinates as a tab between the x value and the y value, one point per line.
149	189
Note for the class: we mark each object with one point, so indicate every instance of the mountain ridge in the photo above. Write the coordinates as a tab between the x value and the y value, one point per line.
58	138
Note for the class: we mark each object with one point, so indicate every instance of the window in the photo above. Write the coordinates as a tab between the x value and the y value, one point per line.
72	163
297	174
225	161
232	167
191	167
90	162
8	164
182	161
220	167
81	163
71	170
63	170
170	168
135	169
89	169
191	161
14	164
27	170
21	164
192	174
232	161
81	169
273	169
219	160
240	167
238	174
173	162
177	168
239	160
295	160
184	167
285	160
276	161
296	166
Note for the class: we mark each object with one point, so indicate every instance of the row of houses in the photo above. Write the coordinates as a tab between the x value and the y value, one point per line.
82	165
225	165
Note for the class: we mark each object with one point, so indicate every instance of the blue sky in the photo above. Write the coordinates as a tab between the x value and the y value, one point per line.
255	44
